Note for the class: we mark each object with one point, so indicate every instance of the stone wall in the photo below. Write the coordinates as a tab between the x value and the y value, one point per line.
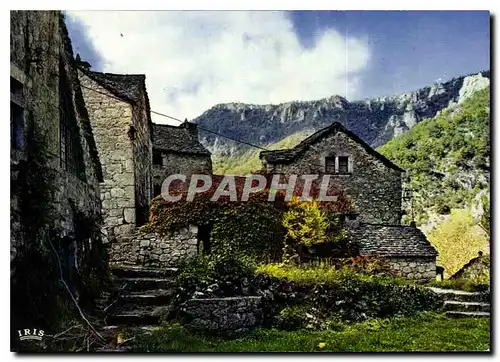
374	188
143	156
41	83
223	315
416	268
111	118
155	250
180	163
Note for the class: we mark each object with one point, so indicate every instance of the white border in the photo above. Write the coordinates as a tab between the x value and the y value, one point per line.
195	5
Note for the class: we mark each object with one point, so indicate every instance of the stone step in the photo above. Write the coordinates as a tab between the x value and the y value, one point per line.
454	314
456	306
142	284
141	272
460	295
156	297
110	330
134	318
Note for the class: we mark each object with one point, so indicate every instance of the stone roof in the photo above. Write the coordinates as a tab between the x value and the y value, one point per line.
182	139
128	87
288	155
125	86
480	261
384	240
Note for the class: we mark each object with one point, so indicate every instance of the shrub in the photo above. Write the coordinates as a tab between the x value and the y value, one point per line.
359	299
195	269
330	271
348	294
292	318
370	265
233	267
213	276
305	223
251	227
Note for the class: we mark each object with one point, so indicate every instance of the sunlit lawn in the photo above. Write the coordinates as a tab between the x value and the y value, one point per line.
425	332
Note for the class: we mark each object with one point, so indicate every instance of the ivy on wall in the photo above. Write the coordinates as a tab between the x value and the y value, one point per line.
254	227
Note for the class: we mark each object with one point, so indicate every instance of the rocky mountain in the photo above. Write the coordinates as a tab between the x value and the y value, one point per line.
376	121
447	160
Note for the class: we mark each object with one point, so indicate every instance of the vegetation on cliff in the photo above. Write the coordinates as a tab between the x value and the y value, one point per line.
447	158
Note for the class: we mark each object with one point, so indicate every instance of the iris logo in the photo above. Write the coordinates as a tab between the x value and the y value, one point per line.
30	334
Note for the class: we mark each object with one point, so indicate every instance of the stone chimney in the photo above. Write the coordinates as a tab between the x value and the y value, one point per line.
81	63
192	128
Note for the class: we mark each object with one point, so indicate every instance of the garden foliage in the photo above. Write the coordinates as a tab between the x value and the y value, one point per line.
256	227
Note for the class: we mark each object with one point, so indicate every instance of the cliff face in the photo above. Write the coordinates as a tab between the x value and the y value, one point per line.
376	121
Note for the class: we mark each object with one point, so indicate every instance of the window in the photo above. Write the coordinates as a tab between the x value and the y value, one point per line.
69	136
157	159
16	114
343	164
330	164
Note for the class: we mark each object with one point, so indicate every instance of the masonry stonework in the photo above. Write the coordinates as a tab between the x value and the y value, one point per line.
223	315
177	150
155	250
119	111
143	153
416	268
180	163
111	118
44	84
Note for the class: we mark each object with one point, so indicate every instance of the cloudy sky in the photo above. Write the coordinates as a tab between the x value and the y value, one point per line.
194	60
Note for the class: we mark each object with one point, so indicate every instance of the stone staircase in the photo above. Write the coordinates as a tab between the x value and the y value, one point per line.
461	304
137	299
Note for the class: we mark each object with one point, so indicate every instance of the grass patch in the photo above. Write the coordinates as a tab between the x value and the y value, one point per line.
423	332
322	273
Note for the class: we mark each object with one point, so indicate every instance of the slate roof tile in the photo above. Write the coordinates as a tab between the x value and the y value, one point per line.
178	139
399	240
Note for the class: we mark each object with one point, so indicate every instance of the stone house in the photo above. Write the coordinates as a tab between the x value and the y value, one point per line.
55	174
374	186
177	150
46	100
372	182
119	113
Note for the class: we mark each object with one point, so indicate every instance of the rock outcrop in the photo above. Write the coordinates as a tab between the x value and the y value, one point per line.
376	121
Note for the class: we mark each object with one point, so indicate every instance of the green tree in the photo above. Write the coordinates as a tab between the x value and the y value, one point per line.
306	225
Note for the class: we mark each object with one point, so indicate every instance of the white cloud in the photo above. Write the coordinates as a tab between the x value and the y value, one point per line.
194	60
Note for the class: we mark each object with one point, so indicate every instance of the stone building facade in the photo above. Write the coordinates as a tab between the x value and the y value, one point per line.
118	108
371	181
55	177
47	105
177	150
374	187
